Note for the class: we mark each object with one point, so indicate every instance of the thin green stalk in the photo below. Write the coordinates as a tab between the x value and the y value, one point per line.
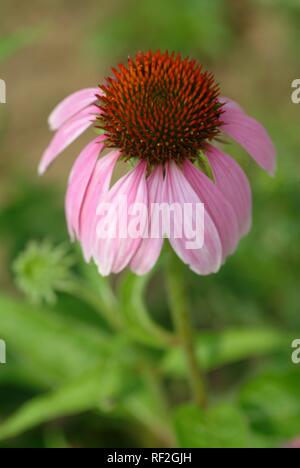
177	297
104	304
108	306
153	382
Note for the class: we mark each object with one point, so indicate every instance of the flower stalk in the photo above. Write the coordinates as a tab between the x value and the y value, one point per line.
179	306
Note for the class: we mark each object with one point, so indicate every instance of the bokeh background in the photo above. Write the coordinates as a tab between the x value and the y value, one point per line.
246	316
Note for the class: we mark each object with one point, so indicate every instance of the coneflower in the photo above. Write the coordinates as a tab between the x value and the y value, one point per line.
163	113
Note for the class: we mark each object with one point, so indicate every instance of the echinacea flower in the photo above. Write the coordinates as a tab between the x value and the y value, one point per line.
164	114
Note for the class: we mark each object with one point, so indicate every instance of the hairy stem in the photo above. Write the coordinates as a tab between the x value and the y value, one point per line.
177	297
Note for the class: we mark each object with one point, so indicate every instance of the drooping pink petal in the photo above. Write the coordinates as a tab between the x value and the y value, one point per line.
208	258
250	134
234	184
68	133
217	205
71	105
112	253
78	183
230	104
98	185
150	247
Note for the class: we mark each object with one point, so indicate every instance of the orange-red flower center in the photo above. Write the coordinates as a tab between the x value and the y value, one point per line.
160	107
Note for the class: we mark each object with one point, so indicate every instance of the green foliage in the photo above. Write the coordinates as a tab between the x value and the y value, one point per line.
266	413
43	339
101	366
88	392
135	314
271	402
90	370
222	426
198	26
31	212
215	350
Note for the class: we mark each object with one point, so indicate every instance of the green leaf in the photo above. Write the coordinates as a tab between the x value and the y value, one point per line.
271	402
55	438
96	389
223	426
143	407
219	349
106	302
136	316
52	348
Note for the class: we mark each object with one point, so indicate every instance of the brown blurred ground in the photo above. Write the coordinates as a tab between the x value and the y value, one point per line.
41	74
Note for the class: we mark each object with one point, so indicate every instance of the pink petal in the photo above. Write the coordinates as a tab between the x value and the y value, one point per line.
98	185
208	258
150	248
71	106
113	254
78	183
68	133
218	207
234	184
250	134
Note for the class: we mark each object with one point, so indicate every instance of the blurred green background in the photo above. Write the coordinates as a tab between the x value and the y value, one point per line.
70	380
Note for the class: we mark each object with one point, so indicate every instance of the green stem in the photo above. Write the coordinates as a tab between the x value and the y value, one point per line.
177	296
105	304
104	301
153	382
